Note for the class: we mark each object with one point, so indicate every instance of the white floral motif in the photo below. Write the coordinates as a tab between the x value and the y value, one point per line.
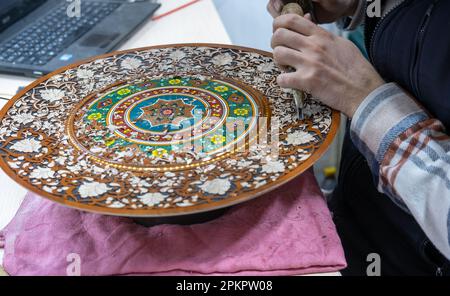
312	109
153	198
222	59
299	138
177	55
27	145
85	74
47	125
266	67
140	182
165	67
244	163
216	186
116	205
167	183
96	149
23	118
42	173
4	131
273	167
60	160
92	189
74	168
131	63
126	153
52	95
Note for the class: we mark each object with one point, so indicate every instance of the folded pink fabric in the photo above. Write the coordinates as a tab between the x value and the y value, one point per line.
286	232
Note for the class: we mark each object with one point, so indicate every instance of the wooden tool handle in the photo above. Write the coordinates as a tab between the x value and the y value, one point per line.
300	7
293	8
299	96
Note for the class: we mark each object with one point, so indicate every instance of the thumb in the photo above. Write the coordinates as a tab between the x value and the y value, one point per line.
308	17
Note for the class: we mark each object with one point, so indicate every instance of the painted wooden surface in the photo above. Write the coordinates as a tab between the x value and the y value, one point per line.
187	25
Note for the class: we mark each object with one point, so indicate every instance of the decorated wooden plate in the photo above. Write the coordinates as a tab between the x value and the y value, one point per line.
161	131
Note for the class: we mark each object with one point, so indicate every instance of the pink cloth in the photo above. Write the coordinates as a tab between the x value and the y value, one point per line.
286	232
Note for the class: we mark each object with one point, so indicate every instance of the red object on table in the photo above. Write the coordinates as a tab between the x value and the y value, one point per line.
157	17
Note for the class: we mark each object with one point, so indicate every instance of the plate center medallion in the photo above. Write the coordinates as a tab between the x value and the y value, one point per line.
166	124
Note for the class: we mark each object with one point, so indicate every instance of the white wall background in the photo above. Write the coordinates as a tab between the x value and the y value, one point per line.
247	22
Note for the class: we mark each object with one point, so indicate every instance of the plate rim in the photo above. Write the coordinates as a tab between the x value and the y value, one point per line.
335	123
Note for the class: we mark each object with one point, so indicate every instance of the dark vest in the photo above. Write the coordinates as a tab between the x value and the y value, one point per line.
410	46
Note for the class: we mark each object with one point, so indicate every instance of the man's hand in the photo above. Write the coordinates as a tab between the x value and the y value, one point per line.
325	11
329	67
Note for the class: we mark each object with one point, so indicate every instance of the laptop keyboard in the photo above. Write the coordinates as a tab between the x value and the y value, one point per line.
49	36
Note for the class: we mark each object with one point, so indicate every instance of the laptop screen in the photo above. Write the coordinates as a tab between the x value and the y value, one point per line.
13	10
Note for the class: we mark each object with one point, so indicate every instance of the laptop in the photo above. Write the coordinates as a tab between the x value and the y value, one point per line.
40	36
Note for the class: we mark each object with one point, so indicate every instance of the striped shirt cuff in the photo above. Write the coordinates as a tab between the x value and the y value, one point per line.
383	116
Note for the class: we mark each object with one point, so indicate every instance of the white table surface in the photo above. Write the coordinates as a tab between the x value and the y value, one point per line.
199	22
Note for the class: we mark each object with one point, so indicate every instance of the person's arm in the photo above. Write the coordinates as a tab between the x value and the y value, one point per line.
408	151
409	155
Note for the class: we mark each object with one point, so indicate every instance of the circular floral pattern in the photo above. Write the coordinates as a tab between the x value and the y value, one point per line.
86	135
154	125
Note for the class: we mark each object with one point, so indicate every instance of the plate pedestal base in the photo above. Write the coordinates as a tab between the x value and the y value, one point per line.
183	219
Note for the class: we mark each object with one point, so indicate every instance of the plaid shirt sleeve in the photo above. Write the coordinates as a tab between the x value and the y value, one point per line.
409	155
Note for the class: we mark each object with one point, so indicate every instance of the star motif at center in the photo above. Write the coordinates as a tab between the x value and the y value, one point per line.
165	112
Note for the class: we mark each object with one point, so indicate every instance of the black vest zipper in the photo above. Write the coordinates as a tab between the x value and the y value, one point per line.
414	69
379	25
